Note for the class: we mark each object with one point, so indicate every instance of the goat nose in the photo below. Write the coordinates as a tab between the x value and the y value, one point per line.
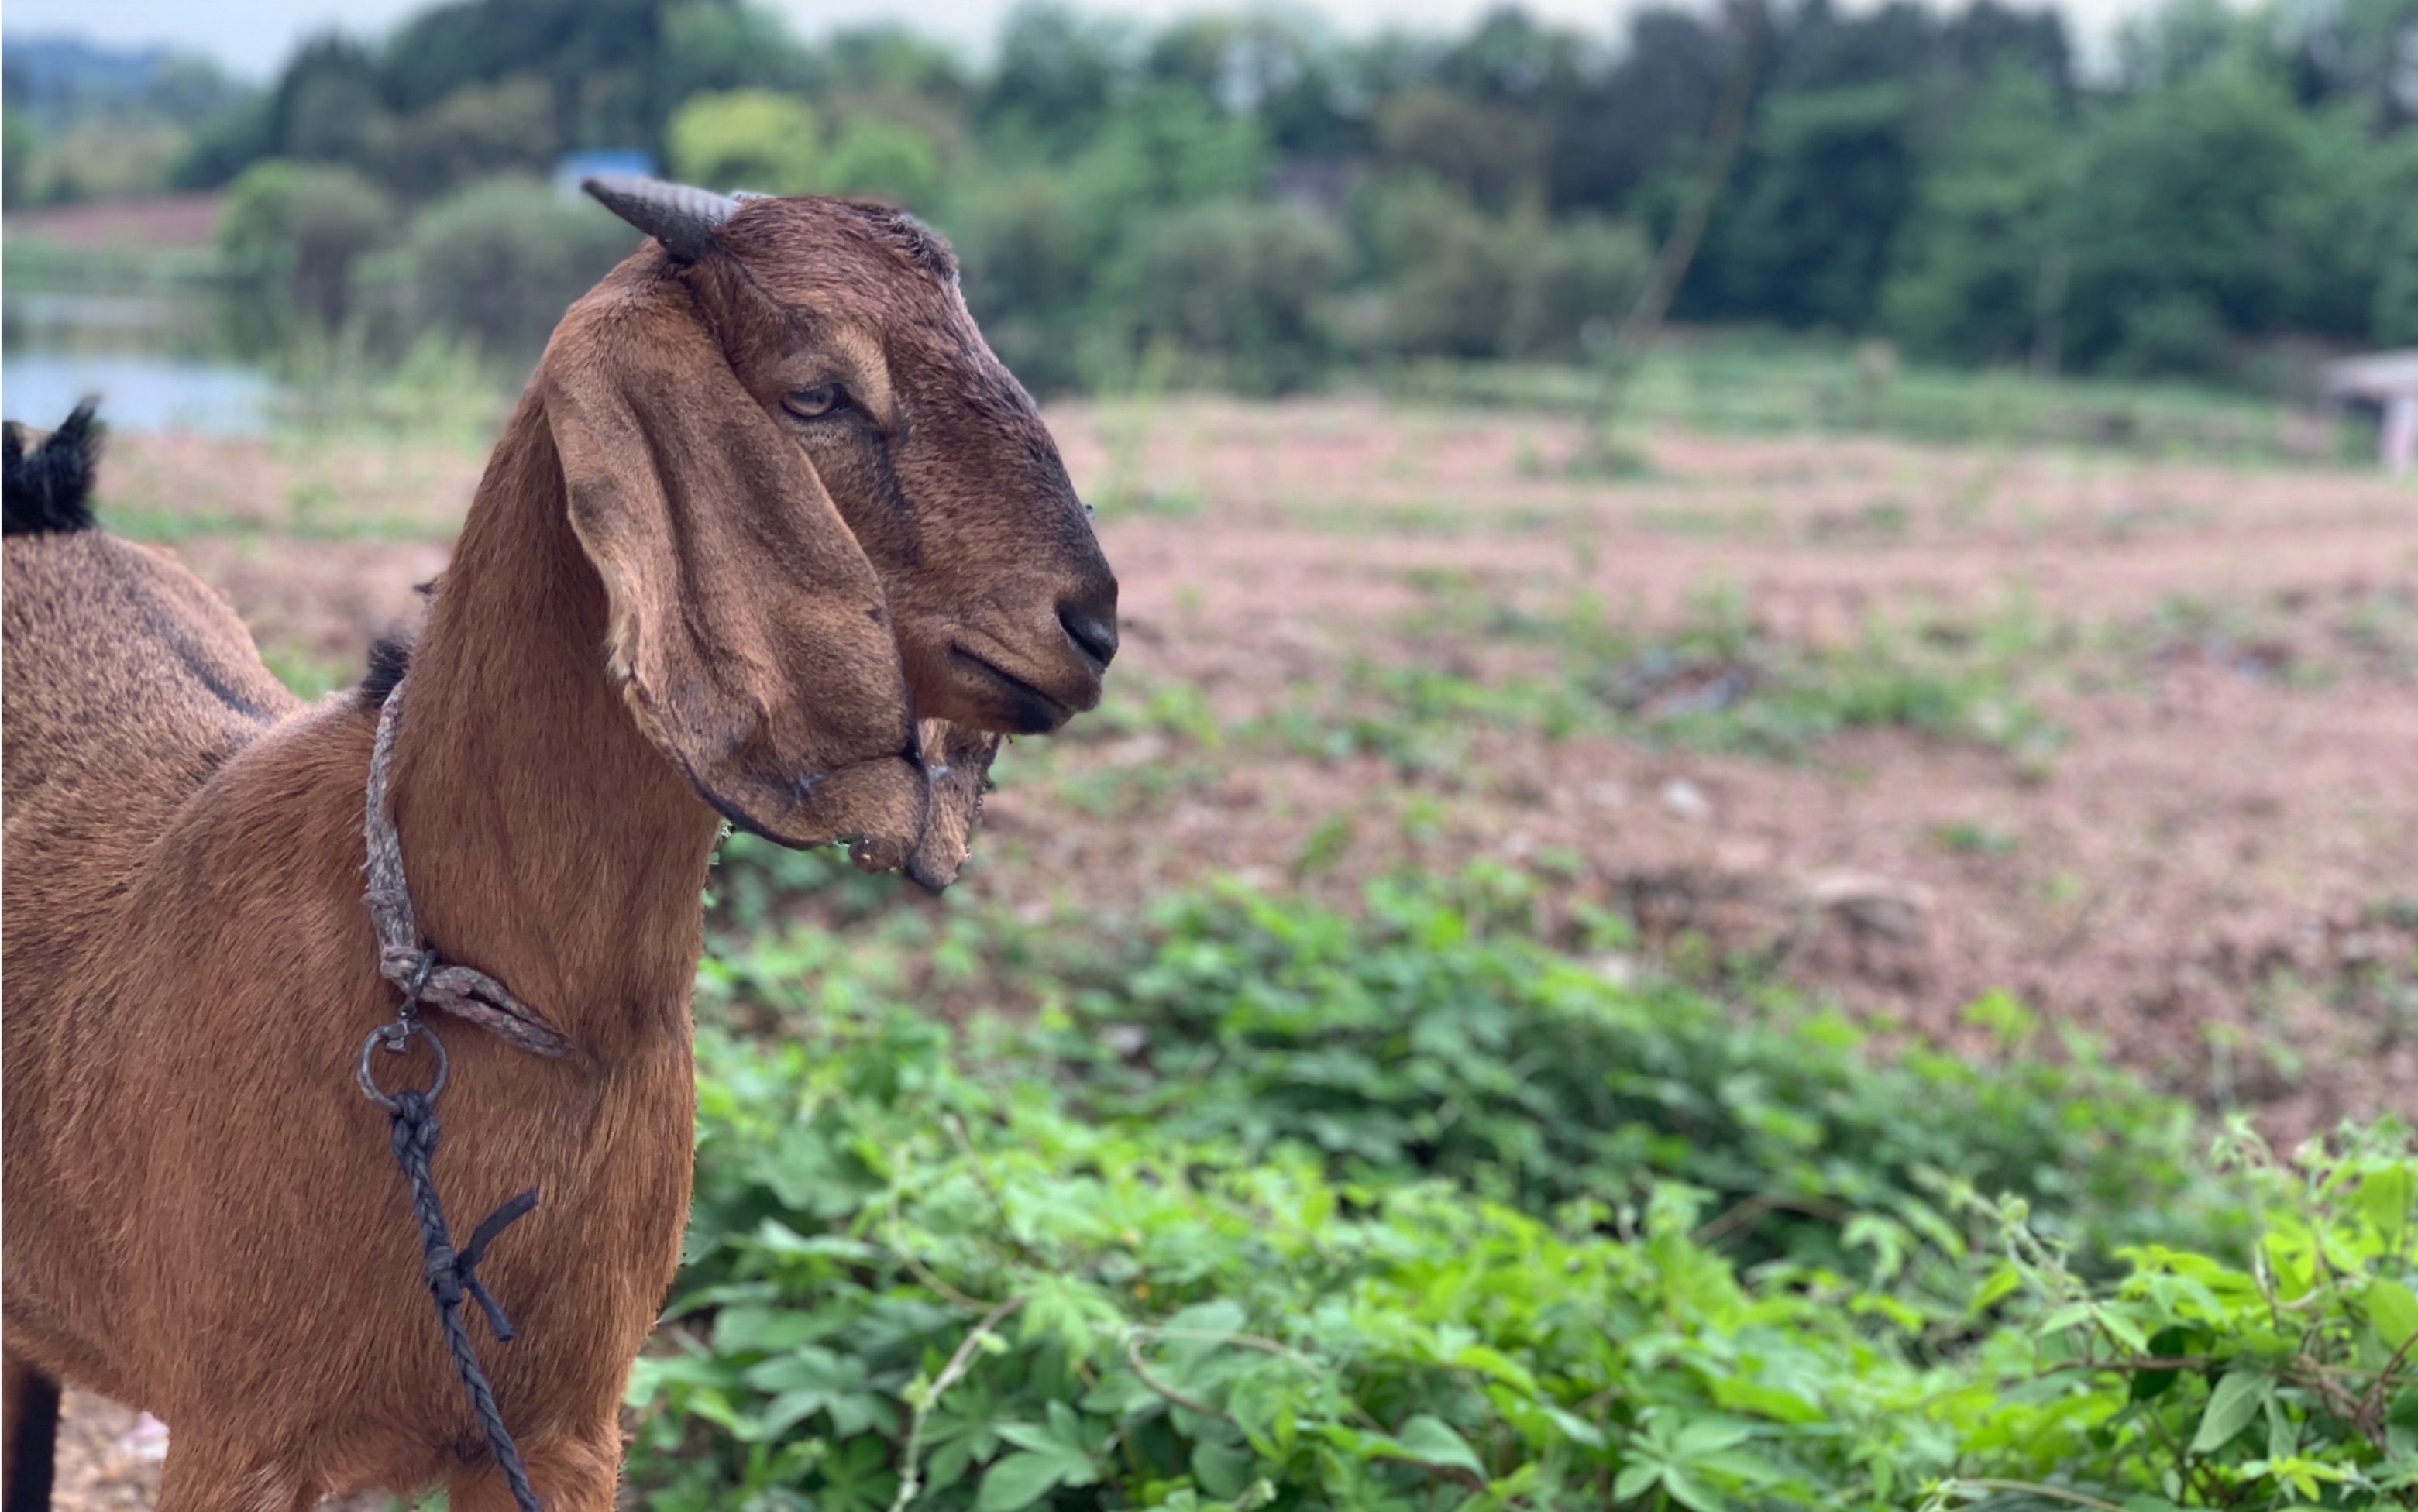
1095	633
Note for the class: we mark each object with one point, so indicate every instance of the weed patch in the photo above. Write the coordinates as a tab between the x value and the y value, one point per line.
1275	1208
1717	682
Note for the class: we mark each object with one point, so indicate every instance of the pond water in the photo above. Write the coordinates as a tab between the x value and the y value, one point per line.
154	361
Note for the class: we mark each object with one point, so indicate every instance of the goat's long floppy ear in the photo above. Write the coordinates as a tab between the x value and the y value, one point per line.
748	630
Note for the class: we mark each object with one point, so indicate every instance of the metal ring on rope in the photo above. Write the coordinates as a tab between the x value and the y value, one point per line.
395	1036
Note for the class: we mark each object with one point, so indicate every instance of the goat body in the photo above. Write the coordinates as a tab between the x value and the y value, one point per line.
202	1218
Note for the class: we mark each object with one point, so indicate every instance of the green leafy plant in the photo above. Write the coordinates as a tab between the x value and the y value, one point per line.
1299	1210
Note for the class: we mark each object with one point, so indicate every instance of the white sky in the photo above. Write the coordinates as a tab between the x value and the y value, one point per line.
252	37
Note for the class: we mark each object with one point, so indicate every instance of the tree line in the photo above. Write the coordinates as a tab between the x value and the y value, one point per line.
1246	199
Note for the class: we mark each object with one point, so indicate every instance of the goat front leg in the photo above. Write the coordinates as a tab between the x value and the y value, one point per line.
209	1472
29	1403
578	1475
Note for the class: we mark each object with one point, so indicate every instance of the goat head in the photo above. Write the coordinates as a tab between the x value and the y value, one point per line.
824	511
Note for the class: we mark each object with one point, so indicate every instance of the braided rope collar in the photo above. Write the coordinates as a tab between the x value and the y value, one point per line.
405	958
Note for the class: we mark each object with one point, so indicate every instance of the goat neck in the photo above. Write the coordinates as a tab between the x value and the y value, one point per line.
546	841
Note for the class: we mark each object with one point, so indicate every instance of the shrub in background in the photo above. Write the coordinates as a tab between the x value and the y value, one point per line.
1448	267
1026	252
880	159
1492	155
1241	284
1578	274
501	260
752	139
505	127
1460	283
292	236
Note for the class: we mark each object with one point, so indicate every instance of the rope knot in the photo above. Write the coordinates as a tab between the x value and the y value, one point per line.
409	967
443	1273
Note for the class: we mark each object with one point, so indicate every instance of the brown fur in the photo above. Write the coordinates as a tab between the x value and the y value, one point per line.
671	597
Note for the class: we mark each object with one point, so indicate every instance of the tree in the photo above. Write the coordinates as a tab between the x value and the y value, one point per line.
292	236
1243	284
882	159
1491	152
1831	174
2179	221
751	139
605	59
1642	119
17	140
1057	77
500	261
477	131
1975	275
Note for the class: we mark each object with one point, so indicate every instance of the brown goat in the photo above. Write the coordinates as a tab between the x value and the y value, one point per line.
769	507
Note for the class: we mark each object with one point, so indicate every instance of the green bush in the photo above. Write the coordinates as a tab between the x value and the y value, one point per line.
1448	267
1491	154
1462	283
1435	1037
1578	276
1976	269
501	260
752	139
292	238
1241	284
887	160
2284	1380
505	127
1256	1266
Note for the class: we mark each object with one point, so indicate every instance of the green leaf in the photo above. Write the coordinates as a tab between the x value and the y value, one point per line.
2393	1308
1222	1470
766	1329
2069	1315
2235	1401
1019	1480
1688	1492
2283	1436
1433	1439
1496	1363
1708	1436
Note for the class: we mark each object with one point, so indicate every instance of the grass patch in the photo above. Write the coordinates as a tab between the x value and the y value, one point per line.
1760	385
1717	682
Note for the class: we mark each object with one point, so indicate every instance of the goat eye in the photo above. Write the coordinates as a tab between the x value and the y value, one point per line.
814	402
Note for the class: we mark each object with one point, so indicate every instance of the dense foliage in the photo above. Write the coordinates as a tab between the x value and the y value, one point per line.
1248	200
1277	1208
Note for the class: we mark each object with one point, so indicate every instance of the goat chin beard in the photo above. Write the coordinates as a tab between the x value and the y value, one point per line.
929	844
957	767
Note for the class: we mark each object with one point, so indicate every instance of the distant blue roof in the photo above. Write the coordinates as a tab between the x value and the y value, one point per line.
572	167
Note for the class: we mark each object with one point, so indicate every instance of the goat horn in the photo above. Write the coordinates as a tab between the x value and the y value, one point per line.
680	216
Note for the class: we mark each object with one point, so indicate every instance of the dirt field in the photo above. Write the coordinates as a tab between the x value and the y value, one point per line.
2134	740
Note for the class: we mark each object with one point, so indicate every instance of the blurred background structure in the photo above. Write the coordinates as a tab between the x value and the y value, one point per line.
1255	200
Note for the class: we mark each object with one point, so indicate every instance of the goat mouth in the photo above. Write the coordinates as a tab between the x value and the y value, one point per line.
1030	711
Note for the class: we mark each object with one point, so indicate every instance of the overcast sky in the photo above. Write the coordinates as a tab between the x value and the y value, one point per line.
254	36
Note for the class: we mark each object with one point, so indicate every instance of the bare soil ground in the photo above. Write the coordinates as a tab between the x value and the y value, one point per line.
2175	803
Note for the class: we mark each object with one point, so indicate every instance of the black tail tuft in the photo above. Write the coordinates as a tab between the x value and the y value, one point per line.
49	489
390	659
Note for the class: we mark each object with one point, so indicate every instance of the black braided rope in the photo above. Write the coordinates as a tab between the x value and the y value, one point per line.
405	959
452	1275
